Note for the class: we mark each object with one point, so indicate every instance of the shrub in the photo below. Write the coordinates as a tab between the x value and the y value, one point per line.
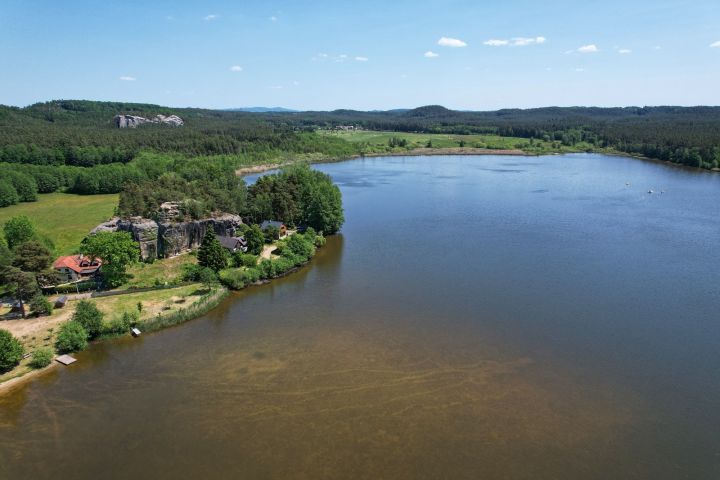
11	351
88	315
72	337
40	305
255	239
121	324
301	245
244	259
237	279
42	357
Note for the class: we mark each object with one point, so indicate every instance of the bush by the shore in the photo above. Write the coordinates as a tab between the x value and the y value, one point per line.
42	357
72	337
11	351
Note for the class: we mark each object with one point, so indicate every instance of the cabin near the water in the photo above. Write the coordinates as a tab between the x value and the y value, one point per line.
281	227
233	244
76	268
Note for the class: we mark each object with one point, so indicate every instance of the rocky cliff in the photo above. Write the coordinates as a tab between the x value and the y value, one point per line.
132	121
160	239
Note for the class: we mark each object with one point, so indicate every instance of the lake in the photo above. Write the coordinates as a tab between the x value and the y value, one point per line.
484	317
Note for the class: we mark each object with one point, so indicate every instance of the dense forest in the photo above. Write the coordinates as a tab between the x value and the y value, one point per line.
74	146
684	135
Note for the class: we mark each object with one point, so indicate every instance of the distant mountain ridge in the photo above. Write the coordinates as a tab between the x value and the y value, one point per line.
261	110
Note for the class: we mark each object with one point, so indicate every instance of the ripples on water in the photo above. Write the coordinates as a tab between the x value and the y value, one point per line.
462	326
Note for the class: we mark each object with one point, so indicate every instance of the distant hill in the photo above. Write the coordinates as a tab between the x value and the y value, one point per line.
261	110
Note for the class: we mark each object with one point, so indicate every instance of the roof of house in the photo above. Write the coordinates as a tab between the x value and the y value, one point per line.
231	242
271	223
78	263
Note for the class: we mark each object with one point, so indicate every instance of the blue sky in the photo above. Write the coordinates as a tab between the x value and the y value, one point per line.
324	55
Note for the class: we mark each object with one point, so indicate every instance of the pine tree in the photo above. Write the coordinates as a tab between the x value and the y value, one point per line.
211	254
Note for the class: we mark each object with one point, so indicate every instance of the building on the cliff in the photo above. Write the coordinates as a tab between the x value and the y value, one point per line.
76	268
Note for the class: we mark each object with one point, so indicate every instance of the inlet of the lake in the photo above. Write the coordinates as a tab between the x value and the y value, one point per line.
478	317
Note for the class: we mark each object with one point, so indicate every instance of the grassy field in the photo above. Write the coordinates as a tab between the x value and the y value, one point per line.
158	272
154	302
378	142
65	218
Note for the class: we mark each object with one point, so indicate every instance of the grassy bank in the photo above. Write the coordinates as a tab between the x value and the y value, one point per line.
63	217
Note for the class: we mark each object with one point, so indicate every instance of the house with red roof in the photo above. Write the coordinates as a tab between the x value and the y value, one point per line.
75	268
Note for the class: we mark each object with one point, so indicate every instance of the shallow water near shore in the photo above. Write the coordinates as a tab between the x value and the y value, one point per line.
478	317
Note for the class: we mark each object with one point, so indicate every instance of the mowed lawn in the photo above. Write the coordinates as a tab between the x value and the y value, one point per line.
65	218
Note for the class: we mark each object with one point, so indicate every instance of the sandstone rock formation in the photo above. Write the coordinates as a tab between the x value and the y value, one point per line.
161	239
132	121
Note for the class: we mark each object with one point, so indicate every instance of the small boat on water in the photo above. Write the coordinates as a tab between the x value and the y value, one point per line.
650	191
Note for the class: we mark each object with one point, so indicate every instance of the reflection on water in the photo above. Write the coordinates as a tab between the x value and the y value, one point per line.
462	326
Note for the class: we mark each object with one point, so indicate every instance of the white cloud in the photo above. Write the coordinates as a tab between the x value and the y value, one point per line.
236	68
126	78
212	16
451	42
362	59
592	48
524	41
515	42
715	44
273	18
296	83
276	87
624	51
579	69
431	54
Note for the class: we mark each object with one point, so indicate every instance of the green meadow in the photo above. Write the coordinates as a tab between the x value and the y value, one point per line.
378	142
63	217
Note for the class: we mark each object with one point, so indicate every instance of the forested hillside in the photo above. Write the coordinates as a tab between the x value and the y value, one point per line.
685	135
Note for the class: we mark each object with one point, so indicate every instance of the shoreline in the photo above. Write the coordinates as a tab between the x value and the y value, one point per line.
471	151
199	308
416	152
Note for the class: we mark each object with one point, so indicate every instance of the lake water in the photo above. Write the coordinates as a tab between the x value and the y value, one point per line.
479	317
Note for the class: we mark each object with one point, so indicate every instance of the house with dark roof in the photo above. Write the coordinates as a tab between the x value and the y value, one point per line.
282	228
233	244
76	268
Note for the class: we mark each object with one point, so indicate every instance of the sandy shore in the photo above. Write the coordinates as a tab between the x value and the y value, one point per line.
9	385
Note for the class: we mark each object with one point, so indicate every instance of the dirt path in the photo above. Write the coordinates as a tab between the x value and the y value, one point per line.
267	252
29	327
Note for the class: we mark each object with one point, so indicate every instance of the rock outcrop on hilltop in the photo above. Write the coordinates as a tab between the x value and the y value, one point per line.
167	236
132	121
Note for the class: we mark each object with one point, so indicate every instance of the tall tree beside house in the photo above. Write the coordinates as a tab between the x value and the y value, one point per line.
255	239
117	250
17	230
23	284
211	254
31	256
